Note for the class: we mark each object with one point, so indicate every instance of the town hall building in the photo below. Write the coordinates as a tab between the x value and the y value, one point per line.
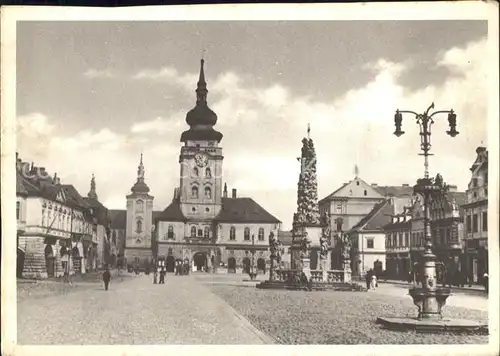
202	224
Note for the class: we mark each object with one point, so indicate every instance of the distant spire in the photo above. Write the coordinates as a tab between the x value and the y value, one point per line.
201	90
356	170
308	131
92	193
225	190
140	170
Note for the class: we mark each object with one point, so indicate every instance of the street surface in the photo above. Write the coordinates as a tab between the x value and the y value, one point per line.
135	311
218	309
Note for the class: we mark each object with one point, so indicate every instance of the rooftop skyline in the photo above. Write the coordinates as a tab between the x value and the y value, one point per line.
115	90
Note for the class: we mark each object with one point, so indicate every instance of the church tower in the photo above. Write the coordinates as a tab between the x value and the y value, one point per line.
201	160
139	215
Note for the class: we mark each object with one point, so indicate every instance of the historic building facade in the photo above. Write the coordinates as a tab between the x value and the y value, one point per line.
54	223
397	243
353	203
476	218
202	224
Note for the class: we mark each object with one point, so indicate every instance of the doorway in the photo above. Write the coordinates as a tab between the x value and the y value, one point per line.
261	265
246	265
200	261
231	265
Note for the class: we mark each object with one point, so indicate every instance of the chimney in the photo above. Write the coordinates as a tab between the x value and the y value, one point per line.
374	185
406	185
480	149
234	193
225	190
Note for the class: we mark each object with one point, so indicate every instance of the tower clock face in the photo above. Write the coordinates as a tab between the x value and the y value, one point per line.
201	159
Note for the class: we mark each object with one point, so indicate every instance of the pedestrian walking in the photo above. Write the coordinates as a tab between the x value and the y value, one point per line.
106	277
485	281
374	281
368	278
162	276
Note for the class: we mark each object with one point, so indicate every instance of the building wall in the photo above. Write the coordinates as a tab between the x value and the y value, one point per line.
367	256
139	207
225	231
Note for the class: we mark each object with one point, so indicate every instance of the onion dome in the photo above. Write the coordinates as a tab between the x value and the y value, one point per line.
201	118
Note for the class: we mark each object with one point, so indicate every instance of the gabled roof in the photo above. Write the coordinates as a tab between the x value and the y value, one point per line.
244	210
356	188
377	218
100	210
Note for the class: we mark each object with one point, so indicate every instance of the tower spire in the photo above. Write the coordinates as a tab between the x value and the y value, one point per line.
356	170
201	90
92	193
140	171
308	131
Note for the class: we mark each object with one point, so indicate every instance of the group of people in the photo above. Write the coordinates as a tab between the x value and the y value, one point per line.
371	280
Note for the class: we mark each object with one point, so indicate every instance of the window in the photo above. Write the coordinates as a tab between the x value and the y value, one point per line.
195	172
365	193
139	206
395	239
200	233
208	173
339	208
468	222
485	221
170	233
18	210
357	183
194	192
261	234
474	182
139	226
474	223
208	193
207	232
400	239
369	243
193	231
232	233
246	234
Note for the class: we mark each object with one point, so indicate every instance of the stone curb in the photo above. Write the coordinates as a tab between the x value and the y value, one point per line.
474	289
246	324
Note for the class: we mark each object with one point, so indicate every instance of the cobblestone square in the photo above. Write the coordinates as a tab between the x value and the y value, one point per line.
219	309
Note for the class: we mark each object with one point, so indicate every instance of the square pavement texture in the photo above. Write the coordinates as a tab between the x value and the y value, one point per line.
135	311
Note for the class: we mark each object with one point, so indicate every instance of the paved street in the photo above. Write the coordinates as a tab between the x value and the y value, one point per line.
135	312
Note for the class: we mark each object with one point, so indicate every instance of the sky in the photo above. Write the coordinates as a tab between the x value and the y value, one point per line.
91	96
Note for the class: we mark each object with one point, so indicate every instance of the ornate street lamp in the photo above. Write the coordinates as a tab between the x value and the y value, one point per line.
429	298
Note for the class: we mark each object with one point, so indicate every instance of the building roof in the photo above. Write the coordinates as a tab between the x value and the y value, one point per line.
171	213
20	189
100	210
394	191
244	210
285	237
72	196
118	219
377	218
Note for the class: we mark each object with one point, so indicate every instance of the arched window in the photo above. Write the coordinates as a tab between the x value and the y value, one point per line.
193	231
206	232
139	225
170	234
246	234
139	206
208	173
200	233
194	192
195	172
232	233
261	234
365	193
208	193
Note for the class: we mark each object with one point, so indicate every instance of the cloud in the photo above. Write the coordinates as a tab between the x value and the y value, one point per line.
263	128
96	73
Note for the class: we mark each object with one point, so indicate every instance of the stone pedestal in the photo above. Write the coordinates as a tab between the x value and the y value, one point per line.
323	266
347	271
306	266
